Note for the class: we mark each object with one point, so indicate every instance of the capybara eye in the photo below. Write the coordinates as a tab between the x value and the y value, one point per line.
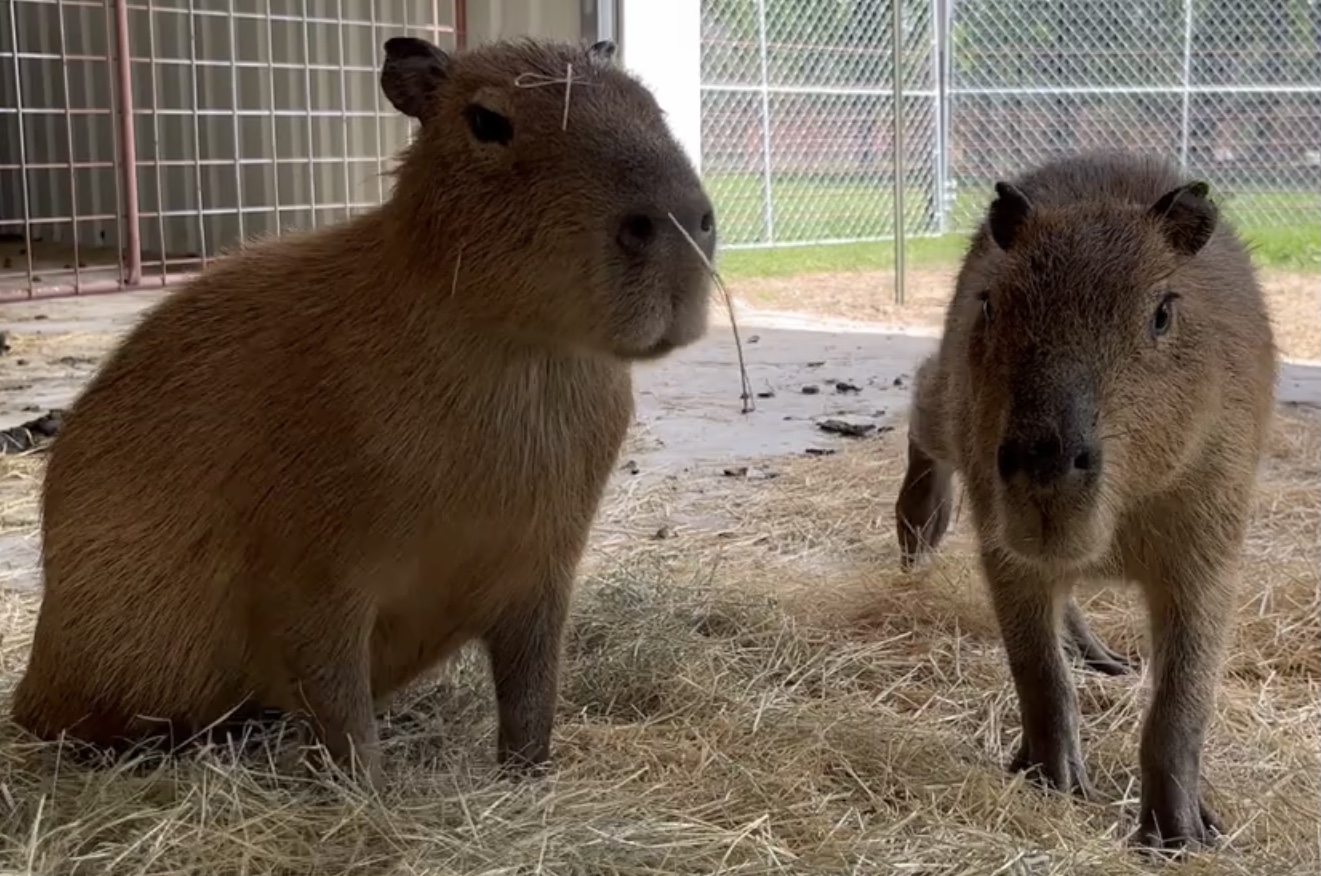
488	126
1163	318
985	299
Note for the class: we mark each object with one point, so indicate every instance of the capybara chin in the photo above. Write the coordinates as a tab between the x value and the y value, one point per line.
333	458
1103	387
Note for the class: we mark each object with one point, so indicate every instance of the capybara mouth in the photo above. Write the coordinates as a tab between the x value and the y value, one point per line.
1053	536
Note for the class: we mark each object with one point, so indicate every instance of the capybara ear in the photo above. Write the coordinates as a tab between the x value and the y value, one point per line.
1187	218
1007	214
413	70
602	53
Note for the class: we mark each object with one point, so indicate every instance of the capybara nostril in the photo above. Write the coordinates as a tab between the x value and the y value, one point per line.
1088	459
697	219
1009	460
636	232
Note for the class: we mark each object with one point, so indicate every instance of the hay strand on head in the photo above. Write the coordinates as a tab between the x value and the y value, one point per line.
749	403
537	80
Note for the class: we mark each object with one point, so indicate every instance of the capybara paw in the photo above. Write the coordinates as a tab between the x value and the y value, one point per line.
1178	823
1057	766
1099	658
919	533
1111	664
524	763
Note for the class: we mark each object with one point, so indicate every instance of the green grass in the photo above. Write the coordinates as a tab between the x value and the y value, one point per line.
1284	229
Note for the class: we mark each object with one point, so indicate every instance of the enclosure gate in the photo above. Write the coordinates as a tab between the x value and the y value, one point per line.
140	139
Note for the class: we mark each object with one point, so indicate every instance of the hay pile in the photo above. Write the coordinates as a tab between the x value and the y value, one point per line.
750	687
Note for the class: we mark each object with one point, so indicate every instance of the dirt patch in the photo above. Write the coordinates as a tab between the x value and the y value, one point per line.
868	296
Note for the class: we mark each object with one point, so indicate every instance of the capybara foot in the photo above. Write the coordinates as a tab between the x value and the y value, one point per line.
1083	645
1055	764
1173	820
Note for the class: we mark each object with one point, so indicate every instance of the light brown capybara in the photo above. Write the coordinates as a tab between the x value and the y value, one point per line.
335	457
1104	388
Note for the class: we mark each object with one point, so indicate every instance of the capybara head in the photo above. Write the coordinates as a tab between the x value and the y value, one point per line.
1091	364
552	148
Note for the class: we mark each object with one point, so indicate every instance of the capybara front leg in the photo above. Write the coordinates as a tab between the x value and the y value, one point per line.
524	646
332	687
1027	610
1082	643
1190	622
926	498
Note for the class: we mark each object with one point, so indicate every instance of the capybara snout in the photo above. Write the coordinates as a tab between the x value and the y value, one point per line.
1052	444
1049	465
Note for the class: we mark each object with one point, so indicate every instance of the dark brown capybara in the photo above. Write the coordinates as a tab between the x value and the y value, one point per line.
1103	388
335	457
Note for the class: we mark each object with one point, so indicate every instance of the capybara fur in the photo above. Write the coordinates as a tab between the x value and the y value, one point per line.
1103	388
335	457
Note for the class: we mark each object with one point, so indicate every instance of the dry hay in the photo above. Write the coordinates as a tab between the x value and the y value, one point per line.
759	691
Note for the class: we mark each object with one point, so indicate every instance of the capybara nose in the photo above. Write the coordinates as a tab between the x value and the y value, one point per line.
638	230
1046	457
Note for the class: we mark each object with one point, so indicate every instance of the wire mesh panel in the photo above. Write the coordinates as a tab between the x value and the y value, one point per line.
60	180
258	116
248	117
1229	88
799	135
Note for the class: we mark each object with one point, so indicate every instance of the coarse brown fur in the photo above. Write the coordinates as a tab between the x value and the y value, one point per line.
335	457
1103	429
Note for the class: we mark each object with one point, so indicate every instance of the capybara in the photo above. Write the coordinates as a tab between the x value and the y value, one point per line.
1103	388
334	457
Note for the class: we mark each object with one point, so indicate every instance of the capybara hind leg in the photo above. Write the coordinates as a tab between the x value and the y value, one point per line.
1027	611
524	646
922	510
1083	644
1191	611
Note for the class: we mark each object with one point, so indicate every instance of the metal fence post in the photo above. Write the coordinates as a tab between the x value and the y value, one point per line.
1184	119
127	147
940	150
768	205
897	37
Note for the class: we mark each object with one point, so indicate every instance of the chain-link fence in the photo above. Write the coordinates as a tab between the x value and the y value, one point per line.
799	97
799	132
